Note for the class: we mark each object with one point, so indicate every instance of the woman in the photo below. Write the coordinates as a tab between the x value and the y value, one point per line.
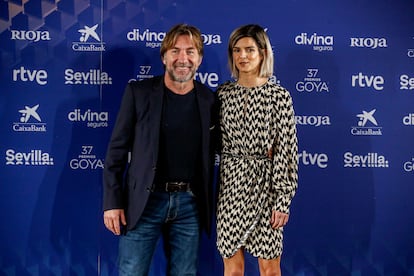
258	167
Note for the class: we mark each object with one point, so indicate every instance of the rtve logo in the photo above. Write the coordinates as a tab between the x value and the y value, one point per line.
24	75
313	159
361	80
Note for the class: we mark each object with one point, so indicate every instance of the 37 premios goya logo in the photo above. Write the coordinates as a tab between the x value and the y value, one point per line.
409	165
312	83
410	51
86	160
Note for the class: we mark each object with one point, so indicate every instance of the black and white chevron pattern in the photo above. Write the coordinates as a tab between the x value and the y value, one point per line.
254	121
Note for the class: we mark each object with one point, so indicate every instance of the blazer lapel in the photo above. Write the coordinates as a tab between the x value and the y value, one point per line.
204	117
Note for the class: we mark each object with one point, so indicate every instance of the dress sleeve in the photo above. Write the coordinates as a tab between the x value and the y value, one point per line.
285	159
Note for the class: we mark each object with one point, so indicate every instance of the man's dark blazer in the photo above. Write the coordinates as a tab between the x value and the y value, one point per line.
127	185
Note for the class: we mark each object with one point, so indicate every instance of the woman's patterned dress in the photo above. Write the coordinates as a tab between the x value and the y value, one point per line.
258	167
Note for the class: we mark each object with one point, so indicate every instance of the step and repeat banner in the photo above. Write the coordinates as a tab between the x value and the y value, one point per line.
349	66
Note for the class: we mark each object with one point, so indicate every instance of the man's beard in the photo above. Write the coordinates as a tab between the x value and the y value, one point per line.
181	78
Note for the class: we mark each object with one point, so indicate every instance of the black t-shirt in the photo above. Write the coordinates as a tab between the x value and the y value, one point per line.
180	138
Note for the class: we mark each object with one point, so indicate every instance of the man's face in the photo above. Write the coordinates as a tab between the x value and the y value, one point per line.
182	61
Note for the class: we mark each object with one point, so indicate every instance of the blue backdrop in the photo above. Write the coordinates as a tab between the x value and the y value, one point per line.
349	66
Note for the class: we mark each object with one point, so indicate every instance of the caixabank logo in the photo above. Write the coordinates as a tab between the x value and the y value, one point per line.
367	124
89	40
30	120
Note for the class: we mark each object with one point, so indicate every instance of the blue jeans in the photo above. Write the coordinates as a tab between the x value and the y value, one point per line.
173	215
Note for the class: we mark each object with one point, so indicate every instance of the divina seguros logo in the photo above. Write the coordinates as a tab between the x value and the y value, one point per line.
409	119
153	39
91	118
319	42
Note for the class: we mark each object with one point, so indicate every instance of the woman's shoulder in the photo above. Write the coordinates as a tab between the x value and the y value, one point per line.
278	90
226	85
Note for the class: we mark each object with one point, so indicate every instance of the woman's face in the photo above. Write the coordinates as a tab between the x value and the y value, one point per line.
247	56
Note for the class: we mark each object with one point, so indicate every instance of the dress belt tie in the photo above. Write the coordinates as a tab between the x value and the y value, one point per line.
245	156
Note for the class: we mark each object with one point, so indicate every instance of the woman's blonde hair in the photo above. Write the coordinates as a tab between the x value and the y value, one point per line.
261	38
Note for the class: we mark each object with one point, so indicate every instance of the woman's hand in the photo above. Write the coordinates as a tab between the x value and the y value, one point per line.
278	219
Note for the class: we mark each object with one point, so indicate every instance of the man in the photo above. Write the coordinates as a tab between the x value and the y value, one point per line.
166	123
